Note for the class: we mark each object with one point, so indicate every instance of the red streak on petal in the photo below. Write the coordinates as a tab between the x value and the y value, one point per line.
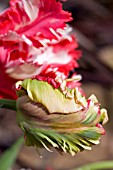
101	127
49	80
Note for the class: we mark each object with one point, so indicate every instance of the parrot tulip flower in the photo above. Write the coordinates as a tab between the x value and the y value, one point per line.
34	41
36	49
58	117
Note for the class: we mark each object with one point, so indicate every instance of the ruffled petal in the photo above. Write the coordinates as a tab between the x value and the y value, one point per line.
31	17
51	118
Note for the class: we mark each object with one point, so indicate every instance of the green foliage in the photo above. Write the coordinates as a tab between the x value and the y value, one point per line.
97	166
9	156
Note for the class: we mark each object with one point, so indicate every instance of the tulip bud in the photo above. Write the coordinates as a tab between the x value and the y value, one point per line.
51	117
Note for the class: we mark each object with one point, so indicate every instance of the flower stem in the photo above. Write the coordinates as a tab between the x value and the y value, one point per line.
9	104
96	166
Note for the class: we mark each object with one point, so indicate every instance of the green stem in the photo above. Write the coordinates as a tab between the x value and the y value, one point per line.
9	104
96	166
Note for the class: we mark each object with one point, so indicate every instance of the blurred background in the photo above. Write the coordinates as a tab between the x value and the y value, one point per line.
93	27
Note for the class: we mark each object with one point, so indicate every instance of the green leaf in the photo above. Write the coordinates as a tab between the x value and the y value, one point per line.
96	166
9	156
8	104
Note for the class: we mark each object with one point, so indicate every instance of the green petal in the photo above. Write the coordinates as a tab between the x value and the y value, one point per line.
68	143
44	93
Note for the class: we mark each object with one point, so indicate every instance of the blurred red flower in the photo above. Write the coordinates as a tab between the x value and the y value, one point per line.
34	41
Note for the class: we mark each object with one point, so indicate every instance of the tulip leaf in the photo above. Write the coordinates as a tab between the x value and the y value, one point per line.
8	158
96	166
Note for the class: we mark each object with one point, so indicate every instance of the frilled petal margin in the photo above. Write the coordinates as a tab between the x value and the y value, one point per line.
50	118
30	17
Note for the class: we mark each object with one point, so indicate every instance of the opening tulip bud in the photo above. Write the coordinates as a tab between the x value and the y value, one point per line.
51	117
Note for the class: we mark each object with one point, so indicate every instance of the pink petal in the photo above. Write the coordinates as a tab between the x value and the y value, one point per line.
30	17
